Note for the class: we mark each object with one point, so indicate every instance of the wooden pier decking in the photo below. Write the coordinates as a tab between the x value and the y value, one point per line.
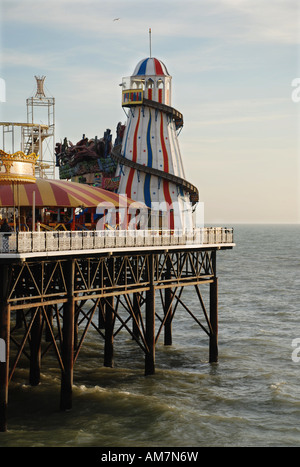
48	281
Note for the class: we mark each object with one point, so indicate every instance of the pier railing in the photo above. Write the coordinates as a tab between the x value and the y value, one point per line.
29	242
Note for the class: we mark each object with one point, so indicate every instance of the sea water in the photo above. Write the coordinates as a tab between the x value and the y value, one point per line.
251	397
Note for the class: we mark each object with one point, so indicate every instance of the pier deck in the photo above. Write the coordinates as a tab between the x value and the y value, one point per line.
53	286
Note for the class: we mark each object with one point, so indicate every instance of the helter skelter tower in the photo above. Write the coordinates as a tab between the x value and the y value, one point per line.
149	162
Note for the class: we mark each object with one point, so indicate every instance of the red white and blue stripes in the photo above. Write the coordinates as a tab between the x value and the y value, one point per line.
151	141
148	142
150	67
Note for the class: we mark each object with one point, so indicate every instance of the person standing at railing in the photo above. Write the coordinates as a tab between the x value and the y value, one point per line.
6	230
5	227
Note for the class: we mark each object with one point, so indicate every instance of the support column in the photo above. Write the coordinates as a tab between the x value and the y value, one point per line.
109	333
213	341
19	321
101	313
49	312
35	348
136	311
101	305
4	345
150	321
109	321
68	338
136	306
168	308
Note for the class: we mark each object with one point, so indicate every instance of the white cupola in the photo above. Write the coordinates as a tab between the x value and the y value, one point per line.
150	80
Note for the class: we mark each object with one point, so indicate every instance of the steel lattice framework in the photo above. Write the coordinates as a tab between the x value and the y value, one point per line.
52	303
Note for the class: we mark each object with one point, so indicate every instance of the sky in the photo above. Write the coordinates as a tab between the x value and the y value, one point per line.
234	67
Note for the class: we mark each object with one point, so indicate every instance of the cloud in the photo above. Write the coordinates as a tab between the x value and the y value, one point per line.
230	20
242	111
264	21
20	58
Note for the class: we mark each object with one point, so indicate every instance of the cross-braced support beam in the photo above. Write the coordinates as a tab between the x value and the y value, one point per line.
54	302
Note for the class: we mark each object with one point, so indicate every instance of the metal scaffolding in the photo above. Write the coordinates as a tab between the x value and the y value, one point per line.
31	136
41	138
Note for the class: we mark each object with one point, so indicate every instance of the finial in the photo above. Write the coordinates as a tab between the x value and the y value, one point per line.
150	41
40	86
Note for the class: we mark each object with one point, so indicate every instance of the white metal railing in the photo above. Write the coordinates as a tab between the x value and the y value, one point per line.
28	242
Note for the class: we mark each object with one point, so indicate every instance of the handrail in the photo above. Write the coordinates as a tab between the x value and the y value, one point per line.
191	189
60	241
175	114
178	117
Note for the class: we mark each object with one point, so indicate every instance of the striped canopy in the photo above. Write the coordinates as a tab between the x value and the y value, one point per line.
150	66
58	193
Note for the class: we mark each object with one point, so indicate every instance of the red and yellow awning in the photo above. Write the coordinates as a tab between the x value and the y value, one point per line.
59	193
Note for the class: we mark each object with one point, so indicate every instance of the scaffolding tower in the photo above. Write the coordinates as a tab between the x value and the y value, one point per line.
40	138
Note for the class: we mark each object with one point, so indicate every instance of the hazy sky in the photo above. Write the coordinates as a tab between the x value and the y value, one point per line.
232	63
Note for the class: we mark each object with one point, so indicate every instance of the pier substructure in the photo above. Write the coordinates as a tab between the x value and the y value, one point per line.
49	302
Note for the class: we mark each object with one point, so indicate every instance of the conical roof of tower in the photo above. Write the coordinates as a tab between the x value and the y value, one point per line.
150	66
